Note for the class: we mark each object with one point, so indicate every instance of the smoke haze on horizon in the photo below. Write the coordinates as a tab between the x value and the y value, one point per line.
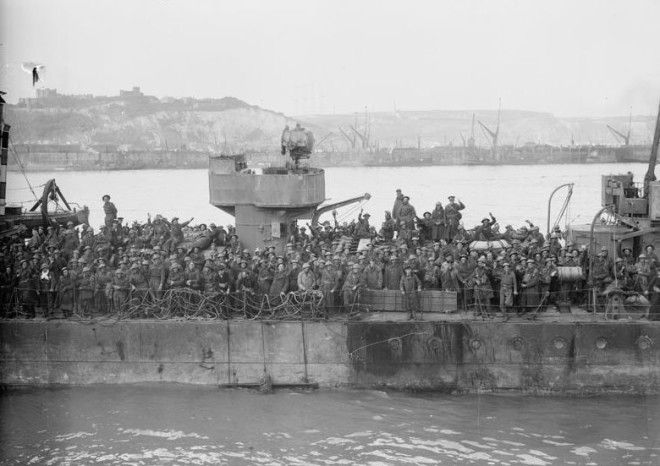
587	58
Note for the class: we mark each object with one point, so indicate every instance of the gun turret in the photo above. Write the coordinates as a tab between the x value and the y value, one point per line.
298	142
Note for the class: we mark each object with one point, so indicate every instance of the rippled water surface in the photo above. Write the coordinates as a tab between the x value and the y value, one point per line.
190	425
512	193
187	425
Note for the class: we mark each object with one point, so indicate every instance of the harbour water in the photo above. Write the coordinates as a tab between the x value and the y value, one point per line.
203	425
512	193
192	425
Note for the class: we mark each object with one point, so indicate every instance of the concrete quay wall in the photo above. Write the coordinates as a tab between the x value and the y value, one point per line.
443	356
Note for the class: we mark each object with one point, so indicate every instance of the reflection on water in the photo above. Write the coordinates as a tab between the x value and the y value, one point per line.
192	425
512	193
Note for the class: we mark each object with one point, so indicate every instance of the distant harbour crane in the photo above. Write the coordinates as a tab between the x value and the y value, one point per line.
494	135
619	136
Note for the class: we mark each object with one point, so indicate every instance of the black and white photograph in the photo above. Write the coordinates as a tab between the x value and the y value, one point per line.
329	232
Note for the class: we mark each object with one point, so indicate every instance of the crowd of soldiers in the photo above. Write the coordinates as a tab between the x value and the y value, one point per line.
76	269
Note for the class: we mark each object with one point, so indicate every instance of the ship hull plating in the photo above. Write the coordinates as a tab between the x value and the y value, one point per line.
467	356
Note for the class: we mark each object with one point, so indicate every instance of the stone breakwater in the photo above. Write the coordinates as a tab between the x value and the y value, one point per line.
461	357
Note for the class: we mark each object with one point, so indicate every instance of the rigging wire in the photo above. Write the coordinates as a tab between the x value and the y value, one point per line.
25	188
564	208
22	168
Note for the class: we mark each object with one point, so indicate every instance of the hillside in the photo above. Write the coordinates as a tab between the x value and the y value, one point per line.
135	121
144	123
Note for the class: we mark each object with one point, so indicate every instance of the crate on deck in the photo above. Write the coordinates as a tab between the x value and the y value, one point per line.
382	300
392	300
438	301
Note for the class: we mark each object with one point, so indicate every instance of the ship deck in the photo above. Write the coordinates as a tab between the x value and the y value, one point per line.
576	315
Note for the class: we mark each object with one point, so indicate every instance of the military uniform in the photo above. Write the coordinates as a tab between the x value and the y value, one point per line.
438	223
408	215
280	284
86	289
157	275
388	227
372	277
351	288
193	278
449	276
431	275
453	217
66	289
120	290
110	212
306	280
508	289
410	285
483	291
530	288
103	279
329	284
393	273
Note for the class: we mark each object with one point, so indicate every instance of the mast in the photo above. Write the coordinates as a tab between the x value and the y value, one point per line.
497	130
4	156
629	123
650	173
494	135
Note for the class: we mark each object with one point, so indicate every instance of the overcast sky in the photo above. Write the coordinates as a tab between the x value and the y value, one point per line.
571	58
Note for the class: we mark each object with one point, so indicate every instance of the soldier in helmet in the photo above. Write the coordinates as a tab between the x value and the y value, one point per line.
176	277
157	275
66	293
279	286
453	217
410	286
351	288
103	279
120	289
508	290
27	286
407	213
530	287
86	289
209	278
363	229
139	282
110	211
246	284
483	291
306	278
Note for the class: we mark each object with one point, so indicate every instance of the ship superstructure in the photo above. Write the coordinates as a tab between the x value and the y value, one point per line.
267	202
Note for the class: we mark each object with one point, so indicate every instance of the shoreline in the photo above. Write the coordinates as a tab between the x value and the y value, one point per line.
94	168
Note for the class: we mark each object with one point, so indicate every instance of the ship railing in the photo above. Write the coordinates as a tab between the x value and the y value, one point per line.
189	304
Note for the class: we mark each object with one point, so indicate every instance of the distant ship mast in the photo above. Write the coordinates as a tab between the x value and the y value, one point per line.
494	135
624	138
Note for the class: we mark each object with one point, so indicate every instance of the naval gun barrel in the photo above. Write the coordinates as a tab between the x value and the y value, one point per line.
650	173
